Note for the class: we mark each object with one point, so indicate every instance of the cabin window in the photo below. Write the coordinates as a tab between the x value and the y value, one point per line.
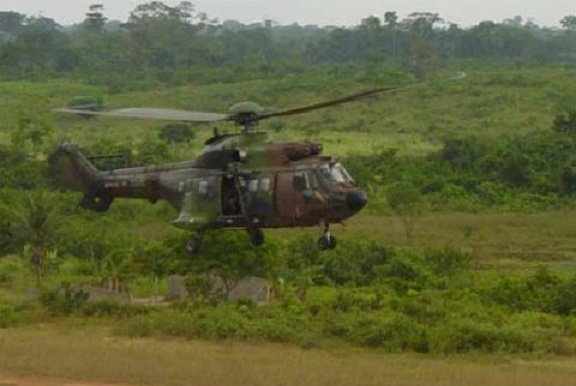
265	185
253	186
203	187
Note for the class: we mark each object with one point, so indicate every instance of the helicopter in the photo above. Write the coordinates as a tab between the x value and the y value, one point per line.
238	181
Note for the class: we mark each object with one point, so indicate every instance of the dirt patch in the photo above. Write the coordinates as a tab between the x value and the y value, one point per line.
9	380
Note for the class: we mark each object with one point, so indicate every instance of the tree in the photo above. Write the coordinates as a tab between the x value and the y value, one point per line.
35	223
156	260
34	124
35	48
406	202
569	22
95	20
117	267
10	24
423	51
391	19
6	236
103	252
177	133
227	255
371	22
163	37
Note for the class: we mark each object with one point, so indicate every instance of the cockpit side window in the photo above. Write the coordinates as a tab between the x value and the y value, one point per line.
335	173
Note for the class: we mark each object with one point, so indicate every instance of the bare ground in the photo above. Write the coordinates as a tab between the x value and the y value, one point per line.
8	380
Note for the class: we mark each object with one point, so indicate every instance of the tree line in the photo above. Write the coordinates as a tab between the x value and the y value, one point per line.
181	45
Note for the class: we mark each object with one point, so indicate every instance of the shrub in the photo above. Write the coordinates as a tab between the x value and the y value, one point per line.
393	332
467	335
111	308
11	269
64	301
8	316
565	122
177	133
447	260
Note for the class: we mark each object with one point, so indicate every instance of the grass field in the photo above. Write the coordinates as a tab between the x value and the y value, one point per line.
83	353
501	239
487	103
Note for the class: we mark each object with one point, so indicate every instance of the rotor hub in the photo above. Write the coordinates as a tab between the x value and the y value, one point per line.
246	114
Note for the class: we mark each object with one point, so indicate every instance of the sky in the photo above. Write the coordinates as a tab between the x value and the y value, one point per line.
321	12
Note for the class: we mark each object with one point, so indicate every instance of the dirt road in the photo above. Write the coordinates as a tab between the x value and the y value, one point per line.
8	380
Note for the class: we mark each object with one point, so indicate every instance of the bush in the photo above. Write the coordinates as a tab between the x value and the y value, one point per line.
11	270
111	308
469	336
86	102
64	301
447	260
177	133
8	316
393	332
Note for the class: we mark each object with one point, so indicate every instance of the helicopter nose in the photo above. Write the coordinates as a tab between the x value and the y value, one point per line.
356	199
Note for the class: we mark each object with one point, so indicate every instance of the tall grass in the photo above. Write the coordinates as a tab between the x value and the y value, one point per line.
80	353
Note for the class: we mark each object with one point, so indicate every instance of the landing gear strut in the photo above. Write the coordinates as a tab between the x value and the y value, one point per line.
194	243
97	203
256	236
326	241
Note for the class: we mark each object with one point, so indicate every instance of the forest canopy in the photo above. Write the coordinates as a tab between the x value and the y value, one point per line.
181	45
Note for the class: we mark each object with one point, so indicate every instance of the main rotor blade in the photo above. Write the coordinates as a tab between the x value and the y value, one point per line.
152	113
351	98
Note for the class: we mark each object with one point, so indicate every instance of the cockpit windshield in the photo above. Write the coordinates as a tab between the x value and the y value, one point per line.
336	174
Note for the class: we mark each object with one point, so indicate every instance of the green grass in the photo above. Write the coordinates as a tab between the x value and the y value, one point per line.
487	103
513	239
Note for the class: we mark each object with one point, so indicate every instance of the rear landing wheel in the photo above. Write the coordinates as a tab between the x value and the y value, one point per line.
193	244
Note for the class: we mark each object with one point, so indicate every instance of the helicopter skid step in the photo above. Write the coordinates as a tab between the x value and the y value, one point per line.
233	221
190	223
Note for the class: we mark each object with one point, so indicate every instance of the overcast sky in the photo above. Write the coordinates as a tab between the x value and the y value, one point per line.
321	12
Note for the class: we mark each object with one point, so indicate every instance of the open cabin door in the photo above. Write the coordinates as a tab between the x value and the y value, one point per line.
248	194
259	195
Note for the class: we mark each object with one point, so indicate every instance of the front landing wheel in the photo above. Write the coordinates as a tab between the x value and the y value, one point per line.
256	236
326	242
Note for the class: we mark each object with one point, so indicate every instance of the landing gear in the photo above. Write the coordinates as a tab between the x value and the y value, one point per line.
326	241
194	244
99	203
256	236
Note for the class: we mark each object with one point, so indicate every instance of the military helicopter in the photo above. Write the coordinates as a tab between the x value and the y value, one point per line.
239	181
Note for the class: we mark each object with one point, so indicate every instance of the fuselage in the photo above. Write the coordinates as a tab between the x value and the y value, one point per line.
240	182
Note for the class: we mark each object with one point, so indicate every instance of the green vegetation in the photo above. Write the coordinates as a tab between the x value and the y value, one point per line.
466	246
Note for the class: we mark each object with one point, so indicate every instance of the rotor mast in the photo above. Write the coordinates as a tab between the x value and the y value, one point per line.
247	115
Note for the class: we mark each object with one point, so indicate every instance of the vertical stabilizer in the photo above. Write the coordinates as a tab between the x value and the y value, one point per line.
69	168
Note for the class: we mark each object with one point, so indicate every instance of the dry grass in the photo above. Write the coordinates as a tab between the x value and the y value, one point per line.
89	354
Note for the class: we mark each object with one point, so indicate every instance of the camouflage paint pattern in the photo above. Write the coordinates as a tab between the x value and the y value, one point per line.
238	181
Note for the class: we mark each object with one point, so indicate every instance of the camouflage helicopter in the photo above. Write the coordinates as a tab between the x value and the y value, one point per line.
239	181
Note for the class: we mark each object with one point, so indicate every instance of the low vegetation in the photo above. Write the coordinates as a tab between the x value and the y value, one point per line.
465	248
